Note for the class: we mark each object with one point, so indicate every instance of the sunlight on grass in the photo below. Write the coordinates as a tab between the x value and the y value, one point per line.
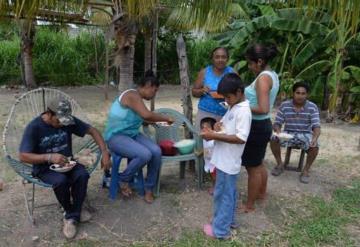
327	220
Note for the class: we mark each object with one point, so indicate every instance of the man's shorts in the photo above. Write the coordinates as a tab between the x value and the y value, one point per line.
300	140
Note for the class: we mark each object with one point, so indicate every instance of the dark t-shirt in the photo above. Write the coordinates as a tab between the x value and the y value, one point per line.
40	138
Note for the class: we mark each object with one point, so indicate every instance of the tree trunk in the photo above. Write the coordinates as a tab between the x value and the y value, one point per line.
186	97
184	77
26	45
150	56
124	31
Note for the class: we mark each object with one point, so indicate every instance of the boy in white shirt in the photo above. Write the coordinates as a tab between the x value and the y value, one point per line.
226	157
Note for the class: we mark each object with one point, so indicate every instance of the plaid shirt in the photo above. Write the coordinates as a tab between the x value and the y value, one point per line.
303	121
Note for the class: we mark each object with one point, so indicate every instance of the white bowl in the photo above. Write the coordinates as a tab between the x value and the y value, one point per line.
65	168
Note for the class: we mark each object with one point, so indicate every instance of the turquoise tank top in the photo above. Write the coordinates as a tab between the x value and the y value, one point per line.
250	94
122	120
211	80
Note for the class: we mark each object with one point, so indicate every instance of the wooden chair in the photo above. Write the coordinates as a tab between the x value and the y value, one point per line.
287	159
28	106
176	132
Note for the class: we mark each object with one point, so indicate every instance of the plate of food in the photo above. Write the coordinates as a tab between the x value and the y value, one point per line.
63	168
163	124
283	136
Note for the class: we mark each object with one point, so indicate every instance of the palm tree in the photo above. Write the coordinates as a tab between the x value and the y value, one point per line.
344	24
27	12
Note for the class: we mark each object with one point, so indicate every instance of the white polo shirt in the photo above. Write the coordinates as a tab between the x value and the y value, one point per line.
236	121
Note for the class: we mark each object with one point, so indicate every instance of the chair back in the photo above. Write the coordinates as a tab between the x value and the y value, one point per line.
177	131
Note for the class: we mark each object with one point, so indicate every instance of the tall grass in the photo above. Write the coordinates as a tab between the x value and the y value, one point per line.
58	58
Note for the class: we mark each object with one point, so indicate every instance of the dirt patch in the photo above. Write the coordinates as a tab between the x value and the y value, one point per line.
180	207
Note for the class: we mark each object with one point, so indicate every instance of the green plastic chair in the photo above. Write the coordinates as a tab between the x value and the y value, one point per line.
176	132
28	106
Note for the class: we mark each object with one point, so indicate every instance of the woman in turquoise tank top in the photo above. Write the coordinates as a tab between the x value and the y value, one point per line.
123	137
206	84
261	95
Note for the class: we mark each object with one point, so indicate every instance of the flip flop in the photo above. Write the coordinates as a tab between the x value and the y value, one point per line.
209	231
277	171
305	179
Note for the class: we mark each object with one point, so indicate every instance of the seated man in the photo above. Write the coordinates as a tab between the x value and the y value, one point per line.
301	119
46	141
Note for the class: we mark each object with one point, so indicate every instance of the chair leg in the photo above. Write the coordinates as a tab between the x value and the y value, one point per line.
301	160
114	183
287	156
29	208
200	172
157	190
182	169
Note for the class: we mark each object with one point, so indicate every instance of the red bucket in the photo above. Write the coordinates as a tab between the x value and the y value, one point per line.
167	147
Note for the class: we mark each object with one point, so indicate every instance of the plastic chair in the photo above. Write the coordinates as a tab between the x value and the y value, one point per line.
176	132
28	106
137	183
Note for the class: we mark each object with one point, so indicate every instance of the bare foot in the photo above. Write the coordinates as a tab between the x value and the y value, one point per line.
211	191
262	200
245	209
149	197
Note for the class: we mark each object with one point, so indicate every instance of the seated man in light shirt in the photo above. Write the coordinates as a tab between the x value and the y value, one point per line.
301	119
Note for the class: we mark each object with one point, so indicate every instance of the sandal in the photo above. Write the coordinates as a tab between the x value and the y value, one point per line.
305	179
126	190
277	170
149	197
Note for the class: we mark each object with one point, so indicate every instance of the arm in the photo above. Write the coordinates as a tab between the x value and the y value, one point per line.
263	87
135	102
279	120
211	135
315	125
316	134
105	159
198	89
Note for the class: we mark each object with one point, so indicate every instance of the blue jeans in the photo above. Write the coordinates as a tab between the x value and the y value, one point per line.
69	184
140	150
225	197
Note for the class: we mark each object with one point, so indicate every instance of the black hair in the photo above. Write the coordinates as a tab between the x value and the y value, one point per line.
217	48
301	84
149	78
230	84
208	120
260	51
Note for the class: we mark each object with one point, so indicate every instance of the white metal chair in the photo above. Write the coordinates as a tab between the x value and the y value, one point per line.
28	106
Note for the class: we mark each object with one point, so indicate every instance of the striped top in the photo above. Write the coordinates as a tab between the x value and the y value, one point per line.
303	121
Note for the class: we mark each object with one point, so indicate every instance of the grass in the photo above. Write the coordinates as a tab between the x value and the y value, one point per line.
320	223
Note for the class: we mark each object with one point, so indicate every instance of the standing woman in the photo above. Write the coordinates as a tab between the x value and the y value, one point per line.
123	137
206	84
261	95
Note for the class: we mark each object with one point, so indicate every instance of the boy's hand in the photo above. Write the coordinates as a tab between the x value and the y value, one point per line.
207	135
105	160
218	126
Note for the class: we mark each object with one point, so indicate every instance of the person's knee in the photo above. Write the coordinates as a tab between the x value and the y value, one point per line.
145	156
60	182
156	151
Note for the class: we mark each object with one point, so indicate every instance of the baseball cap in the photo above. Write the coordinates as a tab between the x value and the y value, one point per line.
62	109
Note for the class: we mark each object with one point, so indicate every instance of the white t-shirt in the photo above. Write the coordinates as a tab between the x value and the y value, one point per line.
236	121
208	149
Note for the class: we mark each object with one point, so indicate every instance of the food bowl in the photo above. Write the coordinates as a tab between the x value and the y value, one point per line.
185	146
65	168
